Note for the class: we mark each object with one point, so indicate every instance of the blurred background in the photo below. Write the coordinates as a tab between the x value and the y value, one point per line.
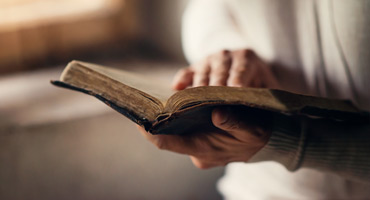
59	144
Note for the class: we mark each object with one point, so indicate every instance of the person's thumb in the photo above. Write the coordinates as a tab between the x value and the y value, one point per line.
241	127
224	119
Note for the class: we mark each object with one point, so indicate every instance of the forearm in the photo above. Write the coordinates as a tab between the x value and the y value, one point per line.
335	147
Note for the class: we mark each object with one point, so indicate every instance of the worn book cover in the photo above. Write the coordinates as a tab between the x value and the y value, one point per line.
153	105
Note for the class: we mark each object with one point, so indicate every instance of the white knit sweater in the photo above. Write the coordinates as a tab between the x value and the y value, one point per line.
317	47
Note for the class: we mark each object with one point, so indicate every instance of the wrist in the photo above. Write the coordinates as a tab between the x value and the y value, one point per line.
284	144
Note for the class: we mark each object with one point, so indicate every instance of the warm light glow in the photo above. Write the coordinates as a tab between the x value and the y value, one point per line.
20	13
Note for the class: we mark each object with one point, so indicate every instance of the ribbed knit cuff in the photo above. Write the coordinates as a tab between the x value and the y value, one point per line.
286	143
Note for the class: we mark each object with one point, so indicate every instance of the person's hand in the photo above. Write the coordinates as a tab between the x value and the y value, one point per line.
240	68
239	138
241	134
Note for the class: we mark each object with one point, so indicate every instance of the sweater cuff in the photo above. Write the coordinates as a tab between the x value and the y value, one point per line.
286	143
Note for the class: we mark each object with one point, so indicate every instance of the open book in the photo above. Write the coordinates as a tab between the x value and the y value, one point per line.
161	110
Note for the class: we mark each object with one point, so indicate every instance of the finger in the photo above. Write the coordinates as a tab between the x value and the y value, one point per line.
257	82
175	143
201	74
249	78
183	79
224	119
239	68
201	164
244	71
270	80
220	66
242	127
240	76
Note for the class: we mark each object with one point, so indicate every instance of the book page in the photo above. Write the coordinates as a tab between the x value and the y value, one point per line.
156	88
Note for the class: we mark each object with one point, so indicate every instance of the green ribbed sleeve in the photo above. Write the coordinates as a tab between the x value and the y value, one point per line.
336	147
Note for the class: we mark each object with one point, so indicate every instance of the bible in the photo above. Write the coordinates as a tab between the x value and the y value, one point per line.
153	105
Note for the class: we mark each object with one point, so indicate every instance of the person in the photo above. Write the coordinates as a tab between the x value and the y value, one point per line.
311	47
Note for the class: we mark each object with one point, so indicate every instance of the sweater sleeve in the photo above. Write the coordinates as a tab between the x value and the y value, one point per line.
208	26
335	147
